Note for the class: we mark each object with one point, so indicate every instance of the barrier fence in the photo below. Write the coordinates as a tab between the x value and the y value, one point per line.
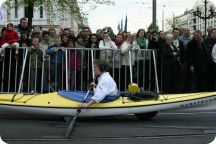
32	71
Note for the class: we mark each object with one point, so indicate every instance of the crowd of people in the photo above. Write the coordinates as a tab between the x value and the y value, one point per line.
185	62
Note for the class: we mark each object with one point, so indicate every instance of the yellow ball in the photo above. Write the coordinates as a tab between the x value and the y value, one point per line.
133	88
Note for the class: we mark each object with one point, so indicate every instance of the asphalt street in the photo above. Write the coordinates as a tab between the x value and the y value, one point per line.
165	128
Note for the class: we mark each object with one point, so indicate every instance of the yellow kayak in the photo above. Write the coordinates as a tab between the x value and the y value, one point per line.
56	104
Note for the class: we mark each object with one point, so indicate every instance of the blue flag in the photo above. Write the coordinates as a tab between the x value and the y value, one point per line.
126	21
121	27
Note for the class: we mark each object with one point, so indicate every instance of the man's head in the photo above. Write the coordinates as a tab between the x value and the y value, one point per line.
45	35
100	66
52	32
86	31
161	35
209	30
66	32
197	35
175	33
23	22
186	31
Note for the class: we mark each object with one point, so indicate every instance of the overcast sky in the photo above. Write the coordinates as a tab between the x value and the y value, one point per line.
139	13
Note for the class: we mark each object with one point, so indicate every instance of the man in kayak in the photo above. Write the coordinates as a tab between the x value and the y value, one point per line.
106	85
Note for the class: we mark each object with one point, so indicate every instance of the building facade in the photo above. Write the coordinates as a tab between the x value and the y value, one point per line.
42	19
188	19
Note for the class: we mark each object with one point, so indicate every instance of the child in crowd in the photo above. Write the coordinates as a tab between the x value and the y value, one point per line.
35	55
44	44
10	39
56	52
74	66
24	41
65	40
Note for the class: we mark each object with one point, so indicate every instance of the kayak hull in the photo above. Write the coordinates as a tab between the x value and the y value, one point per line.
54	104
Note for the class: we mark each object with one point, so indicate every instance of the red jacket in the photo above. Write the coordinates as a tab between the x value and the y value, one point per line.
75	56
10	36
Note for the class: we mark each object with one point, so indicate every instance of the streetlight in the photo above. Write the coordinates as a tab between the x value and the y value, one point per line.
205	12
154	3
163	18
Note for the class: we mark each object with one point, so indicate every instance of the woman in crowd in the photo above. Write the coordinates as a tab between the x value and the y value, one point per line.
125	61
142	59
64	39
117	58
106	45
169	65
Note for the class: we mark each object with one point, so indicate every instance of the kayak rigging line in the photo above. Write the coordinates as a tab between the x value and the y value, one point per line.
12	100
30	98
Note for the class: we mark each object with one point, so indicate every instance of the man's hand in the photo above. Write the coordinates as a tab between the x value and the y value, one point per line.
93	85
83	105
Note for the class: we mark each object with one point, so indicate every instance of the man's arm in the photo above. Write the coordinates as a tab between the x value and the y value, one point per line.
85	105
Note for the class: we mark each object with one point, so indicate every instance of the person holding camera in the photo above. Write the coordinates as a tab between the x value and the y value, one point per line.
107	46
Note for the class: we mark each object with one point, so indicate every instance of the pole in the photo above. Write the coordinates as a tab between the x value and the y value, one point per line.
163	18
154	14
205	18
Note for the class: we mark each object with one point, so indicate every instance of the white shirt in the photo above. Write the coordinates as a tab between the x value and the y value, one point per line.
107	55
106	86
107	44
214	53
125	48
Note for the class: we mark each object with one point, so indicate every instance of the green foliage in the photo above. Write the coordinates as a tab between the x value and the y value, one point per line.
150	28
172	22
59	8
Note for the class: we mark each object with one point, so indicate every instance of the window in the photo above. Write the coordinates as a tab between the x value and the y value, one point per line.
16	10
41	9
27	12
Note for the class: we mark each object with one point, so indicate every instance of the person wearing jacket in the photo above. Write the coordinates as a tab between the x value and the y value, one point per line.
170	56
125	61
10	39
107	46
57	55
35	55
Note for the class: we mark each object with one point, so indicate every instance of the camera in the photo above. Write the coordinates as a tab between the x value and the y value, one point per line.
154	38
60	50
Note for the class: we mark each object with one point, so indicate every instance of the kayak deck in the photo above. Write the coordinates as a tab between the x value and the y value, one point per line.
55	100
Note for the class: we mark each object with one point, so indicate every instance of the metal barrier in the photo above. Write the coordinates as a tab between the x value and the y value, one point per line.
71	69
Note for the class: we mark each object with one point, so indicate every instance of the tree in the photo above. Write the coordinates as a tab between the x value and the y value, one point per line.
55	7
150	28
172	22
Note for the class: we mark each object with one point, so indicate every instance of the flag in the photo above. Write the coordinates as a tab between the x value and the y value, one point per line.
119	27
1	17
126	21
